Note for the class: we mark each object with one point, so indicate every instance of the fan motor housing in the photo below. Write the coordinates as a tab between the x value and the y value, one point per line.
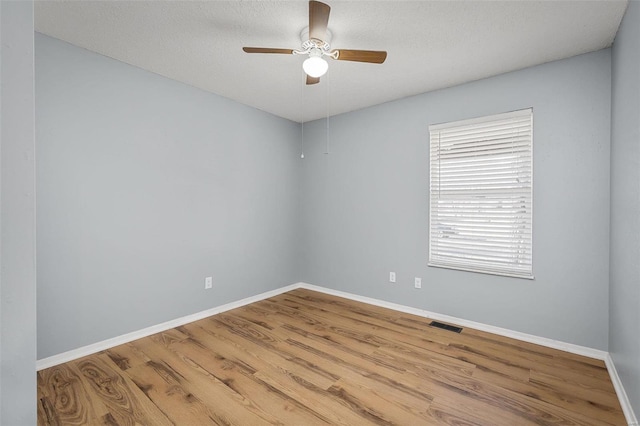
311	43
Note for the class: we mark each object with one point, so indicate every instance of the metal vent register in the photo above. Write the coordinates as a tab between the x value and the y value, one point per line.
445	326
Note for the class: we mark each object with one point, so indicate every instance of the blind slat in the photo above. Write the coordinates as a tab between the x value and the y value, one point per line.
488	252
448	144
482	161
444	157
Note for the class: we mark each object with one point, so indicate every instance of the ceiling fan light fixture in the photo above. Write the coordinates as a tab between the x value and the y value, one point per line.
315	66
316	42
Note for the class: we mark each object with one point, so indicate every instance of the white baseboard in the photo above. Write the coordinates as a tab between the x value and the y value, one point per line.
125	338
622	394
555	344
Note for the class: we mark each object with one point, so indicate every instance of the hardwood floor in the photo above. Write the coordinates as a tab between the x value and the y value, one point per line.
306	358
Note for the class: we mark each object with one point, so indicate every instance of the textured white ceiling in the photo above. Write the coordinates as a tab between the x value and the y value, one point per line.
430	44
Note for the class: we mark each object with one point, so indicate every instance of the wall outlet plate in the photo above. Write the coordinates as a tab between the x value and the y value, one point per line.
417	282
392	277
208	283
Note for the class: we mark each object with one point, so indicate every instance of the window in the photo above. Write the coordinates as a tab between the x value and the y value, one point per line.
481	174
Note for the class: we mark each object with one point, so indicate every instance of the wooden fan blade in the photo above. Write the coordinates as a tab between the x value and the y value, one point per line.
318	20
371	56
313	80
267	50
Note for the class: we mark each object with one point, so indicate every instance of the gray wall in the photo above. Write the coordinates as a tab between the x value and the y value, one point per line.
624	333
17	217
365	204
145	186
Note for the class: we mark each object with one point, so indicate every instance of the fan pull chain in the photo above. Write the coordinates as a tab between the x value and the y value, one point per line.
304	77
326	87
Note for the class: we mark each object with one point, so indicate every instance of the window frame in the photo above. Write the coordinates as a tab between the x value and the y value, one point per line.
473	266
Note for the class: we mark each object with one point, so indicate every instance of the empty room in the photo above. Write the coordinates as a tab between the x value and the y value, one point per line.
304	212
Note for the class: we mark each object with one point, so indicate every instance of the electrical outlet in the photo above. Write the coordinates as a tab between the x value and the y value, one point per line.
208	283
417	282
392	277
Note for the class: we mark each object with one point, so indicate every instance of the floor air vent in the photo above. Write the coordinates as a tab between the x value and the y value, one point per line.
445	326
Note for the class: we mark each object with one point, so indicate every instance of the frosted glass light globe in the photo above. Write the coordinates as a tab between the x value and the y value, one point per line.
315	66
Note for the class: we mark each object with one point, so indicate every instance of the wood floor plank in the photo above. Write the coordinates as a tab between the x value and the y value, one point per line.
598	410
392	408
127	356
467	411
577	378
359	410
332	367
347	335
438	350
308	358
67	399
168	391
244	353
409	325
365	315
64	399
483	349
240	376
125	402
357	333
565	384
295	387
228	406
437	381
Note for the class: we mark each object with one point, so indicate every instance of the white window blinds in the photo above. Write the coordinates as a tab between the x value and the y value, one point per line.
481	175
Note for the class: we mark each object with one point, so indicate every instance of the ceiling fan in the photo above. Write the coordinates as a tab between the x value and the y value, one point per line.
316	44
